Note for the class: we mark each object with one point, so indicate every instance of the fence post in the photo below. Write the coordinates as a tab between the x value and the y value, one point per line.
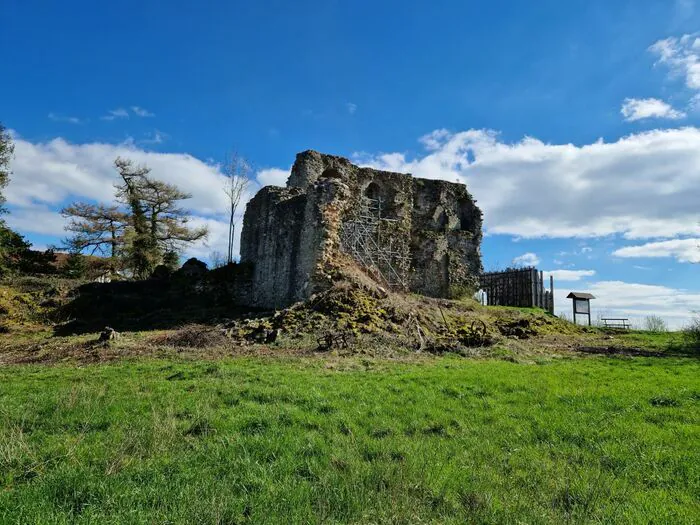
551	294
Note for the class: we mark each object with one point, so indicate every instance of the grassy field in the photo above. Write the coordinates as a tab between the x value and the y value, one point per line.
598	439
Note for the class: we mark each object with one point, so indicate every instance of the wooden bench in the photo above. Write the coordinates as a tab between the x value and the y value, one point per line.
616	322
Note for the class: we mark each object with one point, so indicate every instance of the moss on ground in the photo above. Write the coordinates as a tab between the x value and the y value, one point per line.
33	302
378	323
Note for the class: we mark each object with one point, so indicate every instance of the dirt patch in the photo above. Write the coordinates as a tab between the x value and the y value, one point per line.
55	350
618	350
192	336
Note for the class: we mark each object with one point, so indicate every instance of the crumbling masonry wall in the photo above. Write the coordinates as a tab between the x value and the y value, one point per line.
415	234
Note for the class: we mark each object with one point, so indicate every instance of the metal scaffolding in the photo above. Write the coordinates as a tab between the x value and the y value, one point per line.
368	238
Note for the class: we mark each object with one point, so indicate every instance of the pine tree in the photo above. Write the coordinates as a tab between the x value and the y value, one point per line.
95	228
142	252
157	223
76	267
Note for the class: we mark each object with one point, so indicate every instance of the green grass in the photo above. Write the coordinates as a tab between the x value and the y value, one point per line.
659	341
310	441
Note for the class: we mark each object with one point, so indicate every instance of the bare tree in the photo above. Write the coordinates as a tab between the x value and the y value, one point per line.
237	171
217	259
7	148
655	323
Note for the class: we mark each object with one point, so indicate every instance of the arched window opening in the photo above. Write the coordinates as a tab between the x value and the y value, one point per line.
381	199
442	220
466	215
373	191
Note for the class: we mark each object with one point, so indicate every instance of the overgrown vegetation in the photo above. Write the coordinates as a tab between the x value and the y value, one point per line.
352	441
32	303
692	331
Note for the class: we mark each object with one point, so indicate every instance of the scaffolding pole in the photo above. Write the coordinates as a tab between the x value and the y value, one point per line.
364	238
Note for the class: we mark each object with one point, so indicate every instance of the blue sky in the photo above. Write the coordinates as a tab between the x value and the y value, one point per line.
575	124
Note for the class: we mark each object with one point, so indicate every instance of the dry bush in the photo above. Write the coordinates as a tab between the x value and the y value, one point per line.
654	323
194	336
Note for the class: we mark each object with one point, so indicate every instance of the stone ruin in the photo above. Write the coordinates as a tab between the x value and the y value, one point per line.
409	234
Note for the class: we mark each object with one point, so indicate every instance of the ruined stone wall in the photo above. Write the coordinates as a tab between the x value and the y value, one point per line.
270	241
293	235
289	236
445	238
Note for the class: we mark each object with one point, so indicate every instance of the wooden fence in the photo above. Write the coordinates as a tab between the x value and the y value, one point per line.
518	287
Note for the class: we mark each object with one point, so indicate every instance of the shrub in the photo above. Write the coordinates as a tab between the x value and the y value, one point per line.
75	266
462	291
654	323
692	332
16	255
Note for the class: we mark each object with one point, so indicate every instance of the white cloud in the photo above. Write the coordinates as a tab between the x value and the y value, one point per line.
644	185
37	218
217	240
141	112
120	113
638	109
352	108
684	250
433	140
60	118
694	103
569	275
51	174
527	259
113	114
157	137
634	301
682	56
272	177
53	171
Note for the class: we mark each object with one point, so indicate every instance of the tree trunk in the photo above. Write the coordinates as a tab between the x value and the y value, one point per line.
231	232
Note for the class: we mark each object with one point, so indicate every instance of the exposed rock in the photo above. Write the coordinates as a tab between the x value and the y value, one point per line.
108	335
193	268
